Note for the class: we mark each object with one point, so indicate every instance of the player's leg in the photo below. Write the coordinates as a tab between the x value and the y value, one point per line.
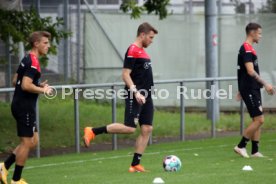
113	128
3	173
253	103
253	127
27	132
129	127
146	118
22	153
140	146
255	144
249	133
5	166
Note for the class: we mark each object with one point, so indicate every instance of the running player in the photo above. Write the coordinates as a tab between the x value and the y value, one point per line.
137	75
249	84
27	87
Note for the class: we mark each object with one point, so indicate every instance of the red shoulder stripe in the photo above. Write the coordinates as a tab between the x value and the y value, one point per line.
136	52
132	51
35	63
249	49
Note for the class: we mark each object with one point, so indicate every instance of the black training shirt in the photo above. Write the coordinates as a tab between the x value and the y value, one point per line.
139	62
29	67
247	54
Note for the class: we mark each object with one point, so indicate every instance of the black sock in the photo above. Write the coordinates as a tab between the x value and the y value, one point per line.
136	159
9	161
255	147
17	172
243	142
99	130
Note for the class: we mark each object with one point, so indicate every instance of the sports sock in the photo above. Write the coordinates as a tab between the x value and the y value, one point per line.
243	142
255	147
17	172
99	130
136	159
9	161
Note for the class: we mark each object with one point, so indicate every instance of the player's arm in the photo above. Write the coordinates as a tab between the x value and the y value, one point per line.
131	86
14	79
250	70
44	83
27	85
238	96
127	79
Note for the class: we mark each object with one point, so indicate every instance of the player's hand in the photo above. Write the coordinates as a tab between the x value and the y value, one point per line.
269	89
238	97
140	98
44	83
48	90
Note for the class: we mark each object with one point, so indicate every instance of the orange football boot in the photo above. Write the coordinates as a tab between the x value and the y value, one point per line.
137	168
88	136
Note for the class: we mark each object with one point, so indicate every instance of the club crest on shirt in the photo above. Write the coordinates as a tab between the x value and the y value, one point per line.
147	65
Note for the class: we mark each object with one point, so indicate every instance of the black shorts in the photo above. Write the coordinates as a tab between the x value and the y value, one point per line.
136	113
25	121
253	101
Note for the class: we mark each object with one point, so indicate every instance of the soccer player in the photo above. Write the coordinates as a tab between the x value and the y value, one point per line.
249	84
137	75
27	87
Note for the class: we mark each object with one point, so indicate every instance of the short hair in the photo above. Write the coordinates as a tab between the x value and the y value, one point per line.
37	35
252	27
146	28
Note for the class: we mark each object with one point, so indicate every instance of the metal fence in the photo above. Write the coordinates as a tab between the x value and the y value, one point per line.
180	82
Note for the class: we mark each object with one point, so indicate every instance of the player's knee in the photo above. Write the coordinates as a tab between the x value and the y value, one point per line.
34	143
31	143
27	143
259	120
147	129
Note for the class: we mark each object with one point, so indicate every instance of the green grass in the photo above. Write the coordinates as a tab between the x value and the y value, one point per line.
57	123
216	163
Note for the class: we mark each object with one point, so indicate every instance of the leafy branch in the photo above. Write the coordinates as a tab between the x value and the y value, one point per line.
156	6
18	25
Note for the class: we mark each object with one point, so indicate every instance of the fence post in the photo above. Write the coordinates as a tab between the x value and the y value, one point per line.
182	113
213	129
77	122
8	69
114	110
66	40
38	130
78	39
241	117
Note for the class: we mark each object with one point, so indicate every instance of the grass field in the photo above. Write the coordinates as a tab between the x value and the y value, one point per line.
57	123
216	163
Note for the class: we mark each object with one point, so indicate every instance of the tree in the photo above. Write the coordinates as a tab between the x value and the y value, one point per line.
17	26
149	6
240	8
270	7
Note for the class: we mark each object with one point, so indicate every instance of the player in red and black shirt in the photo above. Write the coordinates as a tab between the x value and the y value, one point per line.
137	75
249	84
27	87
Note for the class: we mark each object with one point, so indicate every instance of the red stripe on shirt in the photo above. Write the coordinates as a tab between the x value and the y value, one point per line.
35	63
249	48
137	52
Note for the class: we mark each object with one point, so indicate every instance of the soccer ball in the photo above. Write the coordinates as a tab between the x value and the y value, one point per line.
171	163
